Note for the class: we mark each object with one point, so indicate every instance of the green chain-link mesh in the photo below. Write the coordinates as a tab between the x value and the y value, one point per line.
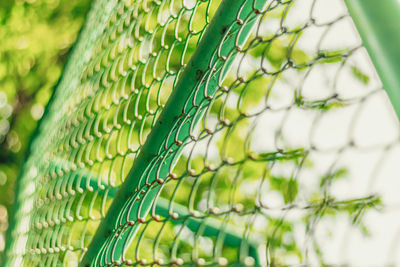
235	133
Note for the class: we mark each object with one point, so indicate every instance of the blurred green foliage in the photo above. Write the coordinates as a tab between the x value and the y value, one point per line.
36	36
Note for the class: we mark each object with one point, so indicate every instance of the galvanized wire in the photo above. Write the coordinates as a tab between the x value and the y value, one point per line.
271	152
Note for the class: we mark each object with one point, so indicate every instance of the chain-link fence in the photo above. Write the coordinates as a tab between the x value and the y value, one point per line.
235	133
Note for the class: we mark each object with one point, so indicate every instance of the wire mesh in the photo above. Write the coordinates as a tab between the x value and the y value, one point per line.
284	152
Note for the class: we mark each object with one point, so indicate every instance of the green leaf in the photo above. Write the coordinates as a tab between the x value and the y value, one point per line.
299	57
331	56
280	155
287	187
360	75
336	175
252	93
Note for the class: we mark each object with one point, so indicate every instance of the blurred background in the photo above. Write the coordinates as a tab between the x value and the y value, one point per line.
36	36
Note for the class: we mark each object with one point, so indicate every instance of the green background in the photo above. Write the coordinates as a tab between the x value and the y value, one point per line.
36	36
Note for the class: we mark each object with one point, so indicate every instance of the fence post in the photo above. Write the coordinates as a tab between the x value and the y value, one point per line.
228	29
378	23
